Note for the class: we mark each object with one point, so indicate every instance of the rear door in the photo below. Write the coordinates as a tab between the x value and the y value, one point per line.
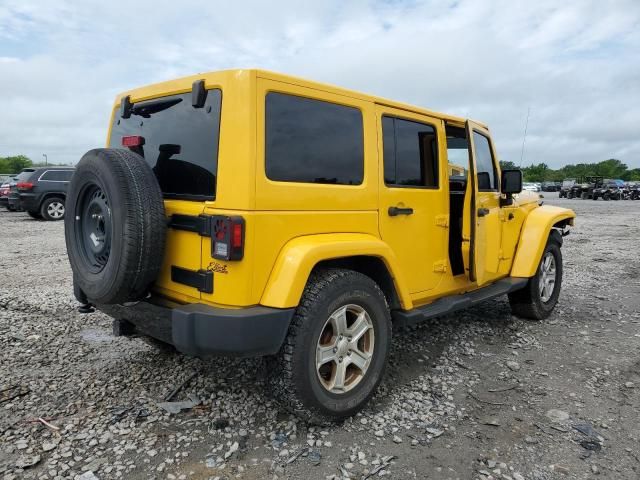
486	225
413	203
179	141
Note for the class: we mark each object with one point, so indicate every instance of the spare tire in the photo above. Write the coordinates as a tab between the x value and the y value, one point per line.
115	226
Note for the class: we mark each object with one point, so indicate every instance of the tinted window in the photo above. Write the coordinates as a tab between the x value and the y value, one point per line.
484	163
57	175
410	153
24	175
313	141
180	142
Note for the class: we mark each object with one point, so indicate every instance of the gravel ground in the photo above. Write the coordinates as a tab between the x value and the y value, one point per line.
478	395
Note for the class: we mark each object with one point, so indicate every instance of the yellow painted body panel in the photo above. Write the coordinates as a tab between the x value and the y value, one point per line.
419	240
534	235
290	226
300	255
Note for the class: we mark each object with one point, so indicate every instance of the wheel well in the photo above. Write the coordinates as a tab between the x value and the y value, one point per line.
48	195
372	267
557	231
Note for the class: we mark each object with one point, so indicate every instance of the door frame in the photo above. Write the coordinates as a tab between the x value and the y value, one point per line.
476	274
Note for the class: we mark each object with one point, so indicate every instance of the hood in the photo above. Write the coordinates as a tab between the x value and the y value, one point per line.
526	197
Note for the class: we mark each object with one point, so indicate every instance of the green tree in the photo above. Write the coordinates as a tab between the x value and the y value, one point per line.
14	163
633	175
536	173
507	165
611	168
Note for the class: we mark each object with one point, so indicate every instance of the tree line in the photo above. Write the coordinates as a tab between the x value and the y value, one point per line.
540	172
611	168
16	163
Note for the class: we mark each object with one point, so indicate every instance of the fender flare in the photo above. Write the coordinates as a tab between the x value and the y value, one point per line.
533	237
300	255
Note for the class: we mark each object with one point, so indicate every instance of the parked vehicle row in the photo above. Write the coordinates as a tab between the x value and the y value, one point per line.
594	188
41	192
542	187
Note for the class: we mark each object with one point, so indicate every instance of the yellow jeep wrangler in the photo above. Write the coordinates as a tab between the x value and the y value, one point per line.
250	213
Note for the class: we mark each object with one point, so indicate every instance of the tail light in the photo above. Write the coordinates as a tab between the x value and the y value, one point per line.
24	185
227	239
132	141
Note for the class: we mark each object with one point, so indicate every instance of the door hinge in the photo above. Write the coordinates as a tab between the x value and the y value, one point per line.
200	224
440	266
442	221
200	279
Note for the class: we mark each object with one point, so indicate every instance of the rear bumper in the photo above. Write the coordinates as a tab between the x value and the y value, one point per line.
203	330
29	202
14	202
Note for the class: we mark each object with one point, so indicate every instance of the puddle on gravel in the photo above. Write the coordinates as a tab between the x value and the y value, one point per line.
93	335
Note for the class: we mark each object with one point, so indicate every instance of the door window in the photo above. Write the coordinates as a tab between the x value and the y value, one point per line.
410	153
486	170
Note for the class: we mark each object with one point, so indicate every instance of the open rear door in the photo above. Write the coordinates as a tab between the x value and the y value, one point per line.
486	228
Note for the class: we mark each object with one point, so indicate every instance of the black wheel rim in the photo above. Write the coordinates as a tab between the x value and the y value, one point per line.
93	227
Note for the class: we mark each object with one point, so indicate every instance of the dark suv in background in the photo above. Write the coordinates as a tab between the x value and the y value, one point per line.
42	194
13	197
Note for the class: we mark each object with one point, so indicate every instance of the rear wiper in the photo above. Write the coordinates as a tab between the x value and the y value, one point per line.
149	108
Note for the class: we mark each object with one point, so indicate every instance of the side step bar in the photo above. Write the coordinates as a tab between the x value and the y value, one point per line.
446	305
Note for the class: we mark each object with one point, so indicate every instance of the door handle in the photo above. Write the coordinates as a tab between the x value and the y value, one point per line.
483	212
395	211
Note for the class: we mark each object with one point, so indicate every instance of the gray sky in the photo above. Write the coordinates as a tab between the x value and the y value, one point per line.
576	64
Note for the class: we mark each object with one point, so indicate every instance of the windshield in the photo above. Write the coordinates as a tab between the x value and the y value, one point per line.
180	142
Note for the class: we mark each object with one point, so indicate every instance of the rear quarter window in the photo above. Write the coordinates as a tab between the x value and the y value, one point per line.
313	141
56	175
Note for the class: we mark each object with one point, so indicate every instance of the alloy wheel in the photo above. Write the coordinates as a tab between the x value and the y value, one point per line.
547	279
345	348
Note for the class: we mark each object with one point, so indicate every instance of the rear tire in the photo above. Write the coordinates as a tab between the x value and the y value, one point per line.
34	215
534	301
315	374
53	209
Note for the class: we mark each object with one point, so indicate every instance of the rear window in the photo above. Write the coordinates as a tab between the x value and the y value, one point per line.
180	142
24	175
56	176
313	141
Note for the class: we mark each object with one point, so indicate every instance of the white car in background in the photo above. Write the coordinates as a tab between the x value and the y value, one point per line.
530	187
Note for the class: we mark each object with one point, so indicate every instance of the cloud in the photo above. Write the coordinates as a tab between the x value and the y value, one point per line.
577	66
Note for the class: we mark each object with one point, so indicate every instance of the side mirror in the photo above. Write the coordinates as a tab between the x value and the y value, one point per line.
511	182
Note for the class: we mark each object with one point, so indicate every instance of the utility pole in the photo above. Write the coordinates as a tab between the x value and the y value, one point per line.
46	160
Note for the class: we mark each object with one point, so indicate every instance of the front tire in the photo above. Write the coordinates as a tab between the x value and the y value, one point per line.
537	300
336	349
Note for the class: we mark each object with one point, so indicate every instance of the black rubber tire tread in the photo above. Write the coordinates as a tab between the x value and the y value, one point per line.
288	379
526	303
43	209
34	215
138	222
